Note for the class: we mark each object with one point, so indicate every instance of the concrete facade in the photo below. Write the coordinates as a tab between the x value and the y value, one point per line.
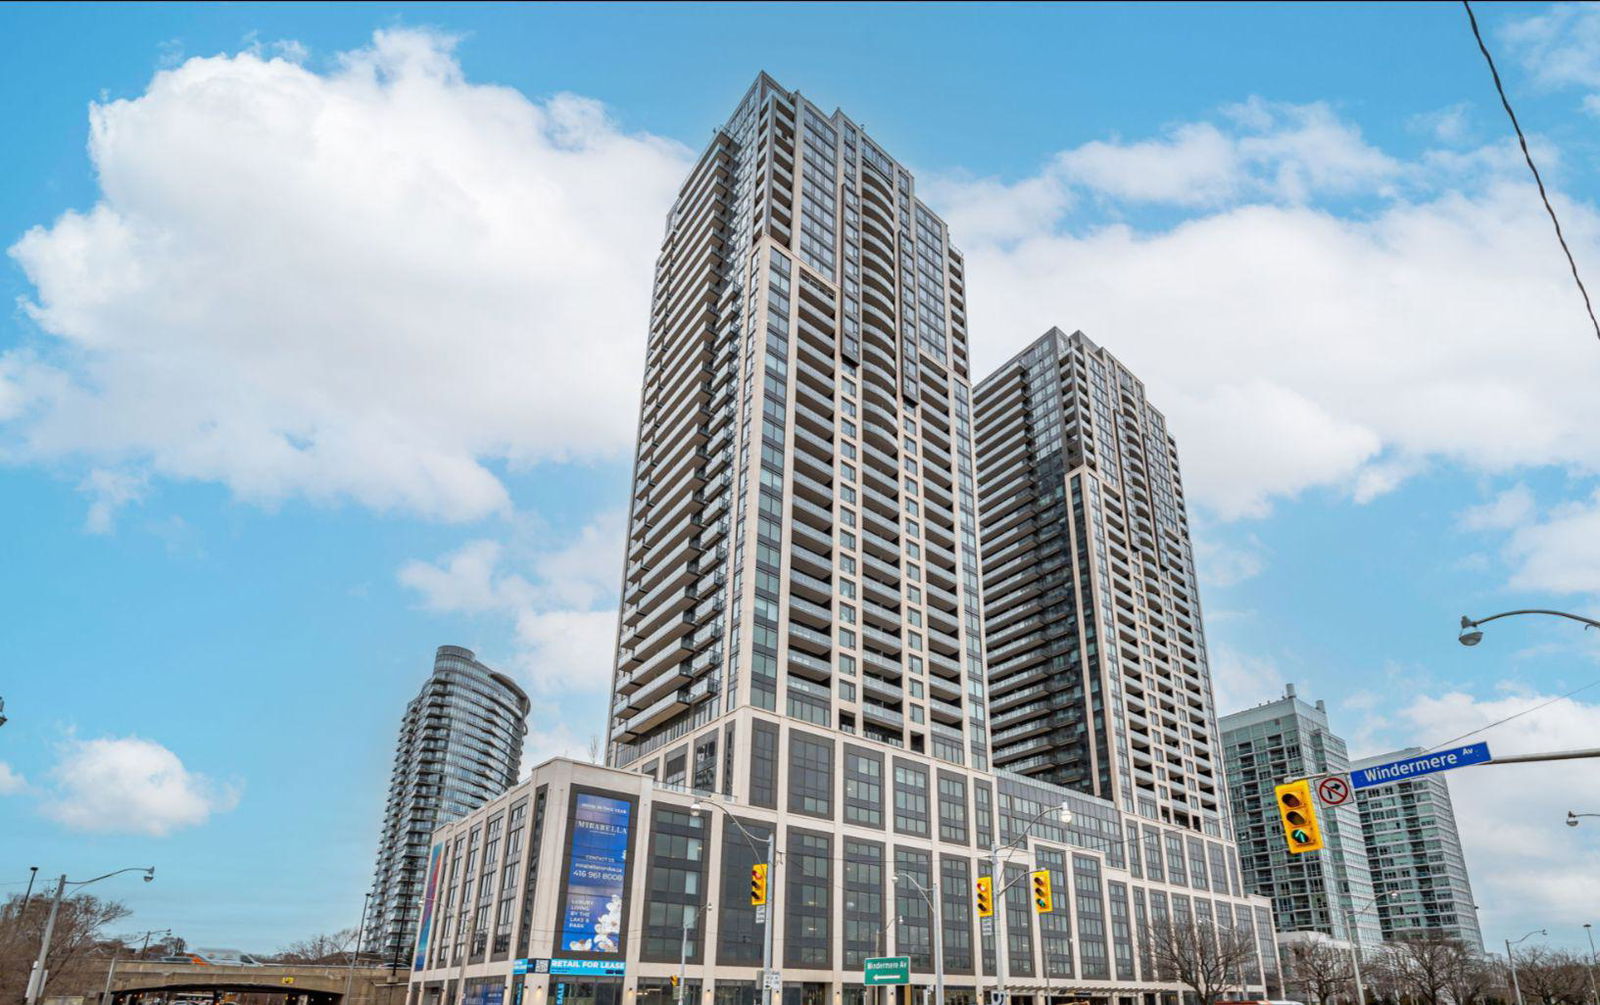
502	890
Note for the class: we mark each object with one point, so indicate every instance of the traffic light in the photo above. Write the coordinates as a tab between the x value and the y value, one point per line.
1042	901
985	897
674	979
758	884
1299	814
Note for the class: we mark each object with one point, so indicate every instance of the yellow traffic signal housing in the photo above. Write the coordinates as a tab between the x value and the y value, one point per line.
1042	900
1298	810
758	884
674	980
985	897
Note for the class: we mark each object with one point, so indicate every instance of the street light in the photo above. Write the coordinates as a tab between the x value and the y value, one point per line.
1512	960
37	978
143	947
1472	634
931	895
683	949
1001	949
883	948
1355	944
1572	818
1588	930
697	807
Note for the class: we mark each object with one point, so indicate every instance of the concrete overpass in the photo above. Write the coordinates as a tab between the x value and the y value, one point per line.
145	983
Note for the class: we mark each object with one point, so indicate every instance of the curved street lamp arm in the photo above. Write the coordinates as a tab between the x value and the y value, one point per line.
149	871
1028	829
727	814
1467	622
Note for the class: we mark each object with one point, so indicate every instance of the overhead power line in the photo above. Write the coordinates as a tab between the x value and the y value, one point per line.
1523	140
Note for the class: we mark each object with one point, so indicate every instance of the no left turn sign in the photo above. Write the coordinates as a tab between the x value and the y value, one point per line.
1334	791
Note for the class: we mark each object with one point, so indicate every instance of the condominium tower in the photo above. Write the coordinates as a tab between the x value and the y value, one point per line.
1097	664
1323	892
802	537
460	746
1414	847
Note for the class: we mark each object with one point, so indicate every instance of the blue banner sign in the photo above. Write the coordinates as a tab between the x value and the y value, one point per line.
425	928
597	968
1422	764
596	871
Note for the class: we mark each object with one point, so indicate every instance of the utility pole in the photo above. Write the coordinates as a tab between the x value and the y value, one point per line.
1001	949
683	950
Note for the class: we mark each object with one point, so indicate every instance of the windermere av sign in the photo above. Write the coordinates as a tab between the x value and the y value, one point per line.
1422	764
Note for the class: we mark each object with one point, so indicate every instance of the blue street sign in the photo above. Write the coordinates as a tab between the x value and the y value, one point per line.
1422	764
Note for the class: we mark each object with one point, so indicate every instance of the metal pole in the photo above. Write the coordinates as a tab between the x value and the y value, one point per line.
997	879
350	971
683	951
1512	960
683	957
1589	931
33	871
1355	957
938	948
36	979
772	886
105	996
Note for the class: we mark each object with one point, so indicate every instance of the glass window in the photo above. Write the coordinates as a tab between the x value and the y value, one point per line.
810	775
910	799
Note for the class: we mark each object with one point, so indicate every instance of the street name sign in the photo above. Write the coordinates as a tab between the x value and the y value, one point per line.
1422	764
886	970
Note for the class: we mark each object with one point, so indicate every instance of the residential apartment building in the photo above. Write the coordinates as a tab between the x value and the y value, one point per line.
800	654
1328	892
1418	867
1097	663
460	746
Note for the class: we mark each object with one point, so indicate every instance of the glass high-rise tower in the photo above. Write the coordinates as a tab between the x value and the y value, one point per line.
1323	892
1097	662
460	746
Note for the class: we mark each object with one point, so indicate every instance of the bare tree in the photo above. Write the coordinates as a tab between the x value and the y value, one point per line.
1420	967
595	747
1320	970
1554	978
1473	978
327	947
1203	957
80	927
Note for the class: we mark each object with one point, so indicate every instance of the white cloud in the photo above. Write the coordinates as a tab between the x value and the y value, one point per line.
109	491
1506	510
1560	47
374	284
11	780
1451	124
1528	869
1561	553
127	785
564	613
1294	349
1223	564
1272	151
1240	681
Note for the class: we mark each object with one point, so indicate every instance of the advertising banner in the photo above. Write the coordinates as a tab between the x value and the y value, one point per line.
591	919
426	924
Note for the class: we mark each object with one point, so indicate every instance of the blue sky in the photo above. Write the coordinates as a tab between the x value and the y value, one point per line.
325	345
